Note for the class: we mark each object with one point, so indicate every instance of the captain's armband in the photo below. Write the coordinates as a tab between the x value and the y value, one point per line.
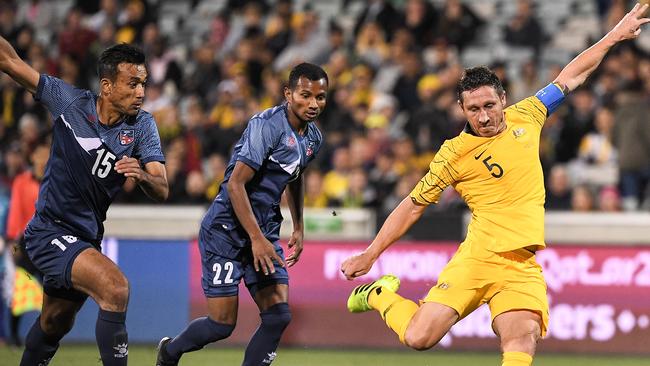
552	96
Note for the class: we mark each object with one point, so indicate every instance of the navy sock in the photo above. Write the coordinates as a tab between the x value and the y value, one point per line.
112	339
199	332
261	348
39	347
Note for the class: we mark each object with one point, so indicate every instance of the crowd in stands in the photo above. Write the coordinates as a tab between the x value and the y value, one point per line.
393	67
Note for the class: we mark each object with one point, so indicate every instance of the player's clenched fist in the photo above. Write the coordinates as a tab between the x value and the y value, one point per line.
131	168
357	265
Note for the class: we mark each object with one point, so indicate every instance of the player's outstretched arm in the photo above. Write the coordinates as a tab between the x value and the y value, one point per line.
396	225
579	69
15	67
295	194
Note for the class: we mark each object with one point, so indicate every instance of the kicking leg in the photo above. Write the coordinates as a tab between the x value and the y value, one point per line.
96	275
428	325
275	317
419	327
519	332
55	321
218	325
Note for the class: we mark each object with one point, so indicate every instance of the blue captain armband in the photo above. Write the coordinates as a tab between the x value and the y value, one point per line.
552	97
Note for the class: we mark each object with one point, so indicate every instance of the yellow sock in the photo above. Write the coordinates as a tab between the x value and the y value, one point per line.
394	309
517	359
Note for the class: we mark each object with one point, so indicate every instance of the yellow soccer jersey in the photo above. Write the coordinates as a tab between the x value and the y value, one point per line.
499	177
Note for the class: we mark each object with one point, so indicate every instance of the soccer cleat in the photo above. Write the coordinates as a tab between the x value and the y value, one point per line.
358	300
162	358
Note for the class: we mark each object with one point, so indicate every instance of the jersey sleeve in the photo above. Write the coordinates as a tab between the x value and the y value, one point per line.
149	149
258	141
531	109
441	174
56	94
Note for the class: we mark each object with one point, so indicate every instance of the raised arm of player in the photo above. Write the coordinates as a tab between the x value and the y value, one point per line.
577	71
295	194
396	225
263	250
15	67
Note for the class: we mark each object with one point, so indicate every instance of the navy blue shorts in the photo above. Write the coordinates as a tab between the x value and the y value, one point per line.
53	251
224	265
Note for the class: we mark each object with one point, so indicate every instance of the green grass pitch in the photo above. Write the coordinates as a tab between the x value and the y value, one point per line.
142	355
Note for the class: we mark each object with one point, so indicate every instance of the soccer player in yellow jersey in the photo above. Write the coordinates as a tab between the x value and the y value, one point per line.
494	165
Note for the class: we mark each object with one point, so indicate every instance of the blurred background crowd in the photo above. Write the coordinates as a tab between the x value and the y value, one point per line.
393	67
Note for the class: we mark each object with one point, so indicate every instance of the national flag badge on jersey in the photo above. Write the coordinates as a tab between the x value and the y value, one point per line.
127	136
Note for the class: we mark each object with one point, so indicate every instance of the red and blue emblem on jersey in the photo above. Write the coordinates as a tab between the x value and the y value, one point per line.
127	136
309	149
291	141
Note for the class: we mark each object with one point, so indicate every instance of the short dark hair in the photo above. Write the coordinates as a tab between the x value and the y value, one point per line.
476	77
310	71
115	55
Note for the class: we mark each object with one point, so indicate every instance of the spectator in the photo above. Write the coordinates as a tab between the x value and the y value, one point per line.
381	12
405	89
527	83
576	124
107	14
75	38
335	182
631	137
609	199
420	18
524	29
359	194
315	196
597	162
215	168
558	192
371	46
582	199
24	193
307	42
196	188
458	25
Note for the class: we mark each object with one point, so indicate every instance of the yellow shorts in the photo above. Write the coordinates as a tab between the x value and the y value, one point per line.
506	281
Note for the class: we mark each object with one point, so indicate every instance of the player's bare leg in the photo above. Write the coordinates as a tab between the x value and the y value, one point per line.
223	309
430	323
275	317
219	324
55	321
96	275
519	331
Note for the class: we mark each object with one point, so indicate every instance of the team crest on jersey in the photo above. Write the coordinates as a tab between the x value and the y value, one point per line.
518	132
291	141
309	149
126	137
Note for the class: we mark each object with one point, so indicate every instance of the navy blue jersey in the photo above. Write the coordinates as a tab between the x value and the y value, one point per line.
278	154
80	180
